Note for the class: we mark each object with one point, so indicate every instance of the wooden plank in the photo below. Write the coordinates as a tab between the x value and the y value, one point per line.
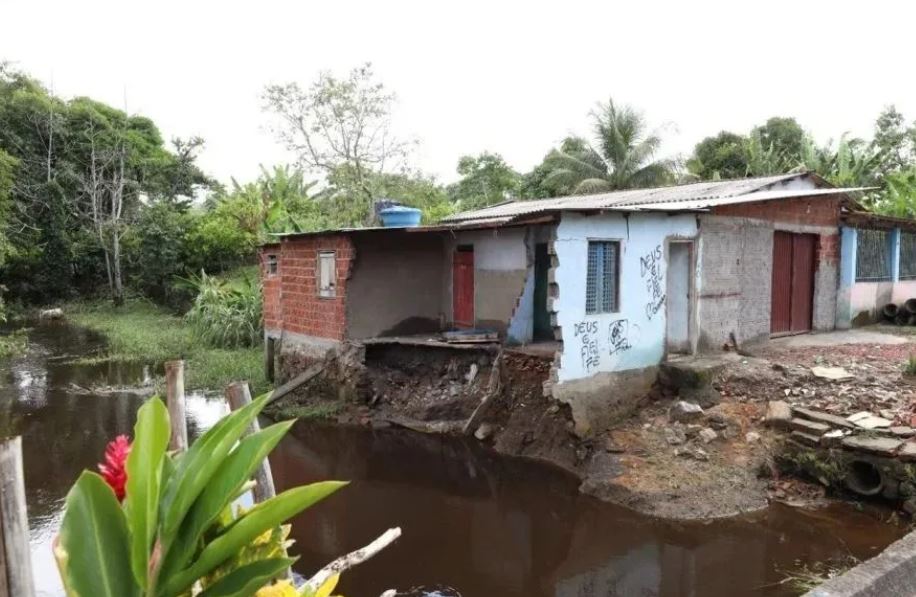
239	395
297	381
174	391
269	359
14	522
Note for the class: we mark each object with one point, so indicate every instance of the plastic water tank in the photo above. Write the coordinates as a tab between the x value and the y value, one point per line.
400	217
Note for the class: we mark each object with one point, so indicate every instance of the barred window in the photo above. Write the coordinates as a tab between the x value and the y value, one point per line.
908	255
873	256
272	265
602	278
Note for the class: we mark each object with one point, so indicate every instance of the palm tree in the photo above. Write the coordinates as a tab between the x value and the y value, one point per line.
623	158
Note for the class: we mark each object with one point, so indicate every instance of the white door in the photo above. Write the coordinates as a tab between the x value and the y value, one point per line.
680	256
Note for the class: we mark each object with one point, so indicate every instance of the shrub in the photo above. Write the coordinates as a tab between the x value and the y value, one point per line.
226	314
909	368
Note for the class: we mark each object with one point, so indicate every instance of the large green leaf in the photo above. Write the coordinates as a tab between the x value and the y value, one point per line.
94	536
224	486
256	521
144	472
197	466
246	580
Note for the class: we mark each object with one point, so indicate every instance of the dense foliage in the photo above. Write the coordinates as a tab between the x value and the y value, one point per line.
226	314
163	524
93	198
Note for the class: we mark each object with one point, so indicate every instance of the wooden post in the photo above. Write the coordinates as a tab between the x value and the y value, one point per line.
174	391
238	396
269	348
16	570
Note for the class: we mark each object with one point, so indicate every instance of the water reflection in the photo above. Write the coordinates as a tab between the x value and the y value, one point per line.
65	429
484	524
489	525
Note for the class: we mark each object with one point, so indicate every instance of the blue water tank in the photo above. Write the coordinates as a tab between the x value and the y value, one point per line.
400	217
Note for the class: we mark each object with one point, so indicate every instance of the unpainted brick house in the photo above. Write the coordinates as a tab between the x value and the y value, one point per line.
610	284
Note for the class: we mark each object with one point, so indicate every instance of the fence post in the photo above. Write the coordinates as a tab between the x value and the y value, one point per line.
269	350
174	391
239	395
16	570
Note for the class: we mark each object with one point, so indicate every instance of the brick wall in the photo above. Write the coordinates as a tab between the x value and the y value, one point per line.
815	211
271	290
291	301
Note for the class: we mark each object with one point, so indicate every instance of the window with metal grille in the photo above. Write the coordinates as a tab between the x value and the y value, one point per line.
873	256
602	277
908	255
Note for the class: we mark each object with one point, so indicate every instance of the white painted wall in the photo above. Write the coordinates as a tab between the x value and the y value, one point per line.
499	249
634	337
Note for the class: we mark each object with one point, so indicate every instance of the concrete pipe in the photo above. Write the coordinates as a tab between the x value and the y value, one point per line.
864	478
910	306
903	318
890	311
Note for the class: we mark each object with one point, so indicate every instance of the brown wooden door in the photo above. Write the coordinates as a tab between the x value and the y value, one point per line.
792	305
463	288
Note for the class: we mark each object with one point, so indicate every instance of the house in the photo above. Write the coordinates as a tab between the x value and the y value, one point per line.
608	284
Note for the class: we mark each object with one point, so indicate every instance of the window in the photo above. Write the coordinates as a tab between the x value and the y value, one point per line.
873	256
602	277
908	255
327	274
272	265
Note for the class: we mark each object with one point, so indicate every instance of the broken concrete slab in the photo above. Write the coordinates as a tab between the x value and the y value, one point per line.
778	414
708	435
689	372
805	438
812	427
881	446
907	452
902	431
822	417
833	438
831	373
684	412
866	420
706	395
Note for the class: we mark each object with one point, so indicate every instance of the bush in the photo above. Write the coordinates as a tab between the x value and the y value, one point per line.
224	314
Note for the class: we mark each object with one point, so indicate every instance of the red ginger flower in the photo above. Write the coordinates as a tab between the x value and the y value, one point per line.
114	468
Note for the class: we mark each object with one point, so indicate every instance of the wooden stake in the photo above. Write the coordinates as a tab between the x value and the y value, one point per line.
239	396
14	524
269	348
174	391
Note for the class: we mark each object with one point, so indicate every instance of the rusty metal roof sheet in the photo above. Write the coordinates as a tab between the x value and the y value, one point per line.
688	197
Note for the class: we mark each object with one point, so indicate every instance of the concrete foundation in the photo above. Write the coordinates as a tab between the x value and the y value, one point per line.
893	572
598	401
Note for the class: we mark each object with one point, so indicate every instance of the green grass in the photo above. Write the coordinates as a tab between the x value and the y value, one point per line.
909	368
316	411
13	344
143	332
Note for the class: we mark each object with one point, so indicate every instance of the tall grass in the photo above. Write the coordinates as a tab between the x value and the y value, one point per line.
142	332
226	314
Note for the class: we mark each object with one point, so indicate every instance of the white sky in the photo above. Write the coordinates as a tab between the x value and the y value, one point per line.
510	77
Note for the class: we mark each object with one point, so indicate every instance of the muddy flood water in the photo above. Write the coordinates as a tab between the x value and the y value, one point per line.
475	523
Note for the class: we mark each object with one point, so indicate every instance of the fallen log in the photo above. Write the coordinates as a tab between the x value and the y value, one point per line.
350	560
494	389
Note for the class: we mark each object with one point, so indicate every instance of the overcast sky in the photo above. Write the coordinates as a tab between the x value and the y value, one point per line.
508	77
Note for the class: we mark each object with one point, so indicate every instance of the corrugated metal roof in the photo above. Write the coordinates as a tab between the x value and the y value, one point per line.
688	197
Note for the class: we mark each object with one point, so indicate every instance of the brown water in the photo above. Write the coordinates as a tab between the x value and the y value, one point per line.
481	523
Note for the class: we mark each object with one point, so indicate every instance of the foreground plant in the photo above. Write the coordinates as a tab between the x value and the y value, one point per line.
176	532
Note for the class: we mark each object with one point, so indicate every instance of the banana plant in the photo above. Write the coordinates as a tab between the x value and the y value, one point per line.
161	524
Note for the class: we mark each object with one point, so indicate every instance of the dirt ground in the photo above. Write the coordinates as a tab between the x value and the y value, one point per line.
709	464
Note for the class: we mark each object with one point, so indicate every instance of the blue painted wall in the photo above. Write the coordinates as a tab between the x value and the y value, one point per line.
634	337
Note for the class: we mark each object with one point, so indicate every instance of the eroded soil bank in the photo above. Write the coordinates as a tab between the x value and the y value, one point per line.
715	463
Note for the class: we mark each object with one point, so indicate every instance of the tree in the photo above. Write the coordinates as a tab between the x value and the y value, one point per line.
894	141
721	156
782	136
485	179
341	128
624	157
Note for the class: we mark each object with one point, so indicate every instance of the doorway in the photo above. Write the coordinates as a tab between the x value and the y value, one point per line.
463	286
678	296
543	330
792	305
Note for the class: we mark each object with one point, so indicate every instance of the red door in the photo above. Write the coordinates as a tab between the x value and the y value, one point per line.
463	288
792	306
